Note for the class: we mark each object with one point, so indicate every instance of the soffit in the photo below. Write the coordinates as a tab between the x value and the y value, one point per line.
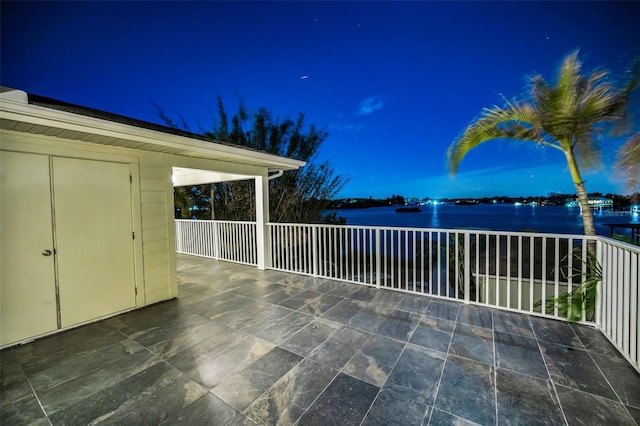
35	119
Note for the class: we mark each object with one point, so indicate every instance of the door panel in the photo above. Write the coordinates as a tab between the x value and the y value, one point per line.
27	278
93	220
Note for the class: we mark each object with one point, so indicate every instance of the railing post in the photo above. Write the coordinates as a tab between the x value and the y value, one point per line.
599	288
378	258
314	249
262	218
178	226
467	267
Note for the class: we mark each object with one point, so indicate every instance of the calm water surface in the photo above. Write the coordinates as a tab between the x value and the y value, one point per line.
498	217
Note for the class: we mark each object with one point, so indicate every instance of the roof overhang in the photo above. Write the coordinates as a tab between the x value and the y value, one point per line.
18	115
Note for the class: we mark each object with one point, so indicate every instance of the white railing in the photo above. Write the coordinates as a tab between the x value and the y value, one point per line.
507	270
498	269
220	240
618	300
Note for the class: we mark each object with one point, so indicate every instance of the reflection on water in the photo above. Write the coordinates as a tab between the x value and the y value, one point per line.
501	217
435	222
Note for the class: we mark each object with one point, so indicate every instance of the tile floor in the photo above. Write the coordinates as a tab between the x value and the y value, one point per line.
242	346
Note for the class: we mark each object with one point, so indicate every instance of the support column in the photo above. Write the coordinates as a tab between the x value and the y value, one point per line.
262	218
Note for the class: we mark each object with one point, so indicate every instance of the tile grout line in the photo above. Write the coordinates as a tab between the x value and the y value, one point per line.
495	368
446	358
546	366
394	364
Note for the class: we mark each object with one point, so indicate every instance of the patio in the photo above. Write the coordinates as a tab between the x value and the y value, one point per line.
244	346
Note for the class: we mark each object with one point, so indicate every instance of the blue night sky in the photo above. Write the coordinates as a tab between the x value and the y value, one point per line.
393	83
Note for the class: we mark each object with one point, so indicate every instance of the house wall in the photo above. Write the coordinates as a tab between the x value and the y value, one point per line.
152	200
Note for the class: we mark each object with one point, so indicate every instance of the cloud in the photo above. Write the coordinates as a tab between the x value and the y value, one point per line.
346	126
370	105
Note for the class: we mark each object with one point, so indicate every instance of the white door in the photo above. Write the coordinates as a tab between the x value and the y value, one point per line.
94	242
27	278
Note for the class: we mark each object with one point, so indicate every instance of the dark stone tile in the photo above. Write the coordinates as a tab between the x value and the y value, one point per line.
208	410
290	397
202	305
242	388
467	390
520	354
513	323
175	343
555	332
416	374
593	340
282	295
388	299
26	411
320	305
585	409
442	418
78	365
241	420
574	368
399	325
245	286
474	343
338	349
299	300
370	318
262	318
624	379
310	337
635	413
433	333
374	360
13	382
443	309
78	387
49	351
144	320
245	315
476	316
311	283
231	307
153	395
164	334
345	402
523	400
415	304
211	372
189	359
284	328
344	290
321	285
390	408
263	289
364	294
343	311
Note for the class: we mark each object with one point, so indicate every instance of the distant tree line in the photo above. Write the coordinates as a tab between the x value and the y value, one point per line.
553	199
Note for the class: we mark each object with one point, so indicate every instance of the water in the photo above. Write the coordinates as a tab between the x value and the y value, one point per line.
496	217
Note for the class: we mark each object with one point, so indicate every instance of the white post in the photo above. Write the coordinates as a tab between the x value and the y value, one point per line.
262	218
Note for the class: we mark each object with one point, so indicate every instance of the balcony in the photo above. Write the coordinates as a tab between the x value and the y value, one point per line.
244	346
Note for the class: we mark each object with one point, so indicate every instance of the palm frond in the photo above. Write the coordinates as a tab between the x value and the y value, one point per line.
516	121
629	161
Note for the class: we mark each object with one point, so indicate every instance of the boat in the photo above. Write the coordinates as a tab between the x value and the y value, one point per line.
408	210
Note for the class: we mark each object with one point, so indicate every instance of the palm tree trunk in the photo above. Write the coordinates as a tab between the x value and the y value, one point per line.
583	198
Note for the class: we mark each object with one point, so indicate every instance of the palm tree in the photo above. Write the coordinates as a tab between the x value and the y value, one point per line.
568	116
629	161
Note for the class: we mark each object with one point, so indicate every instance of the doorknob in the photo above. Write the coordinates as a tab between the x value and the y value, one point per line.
46	252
